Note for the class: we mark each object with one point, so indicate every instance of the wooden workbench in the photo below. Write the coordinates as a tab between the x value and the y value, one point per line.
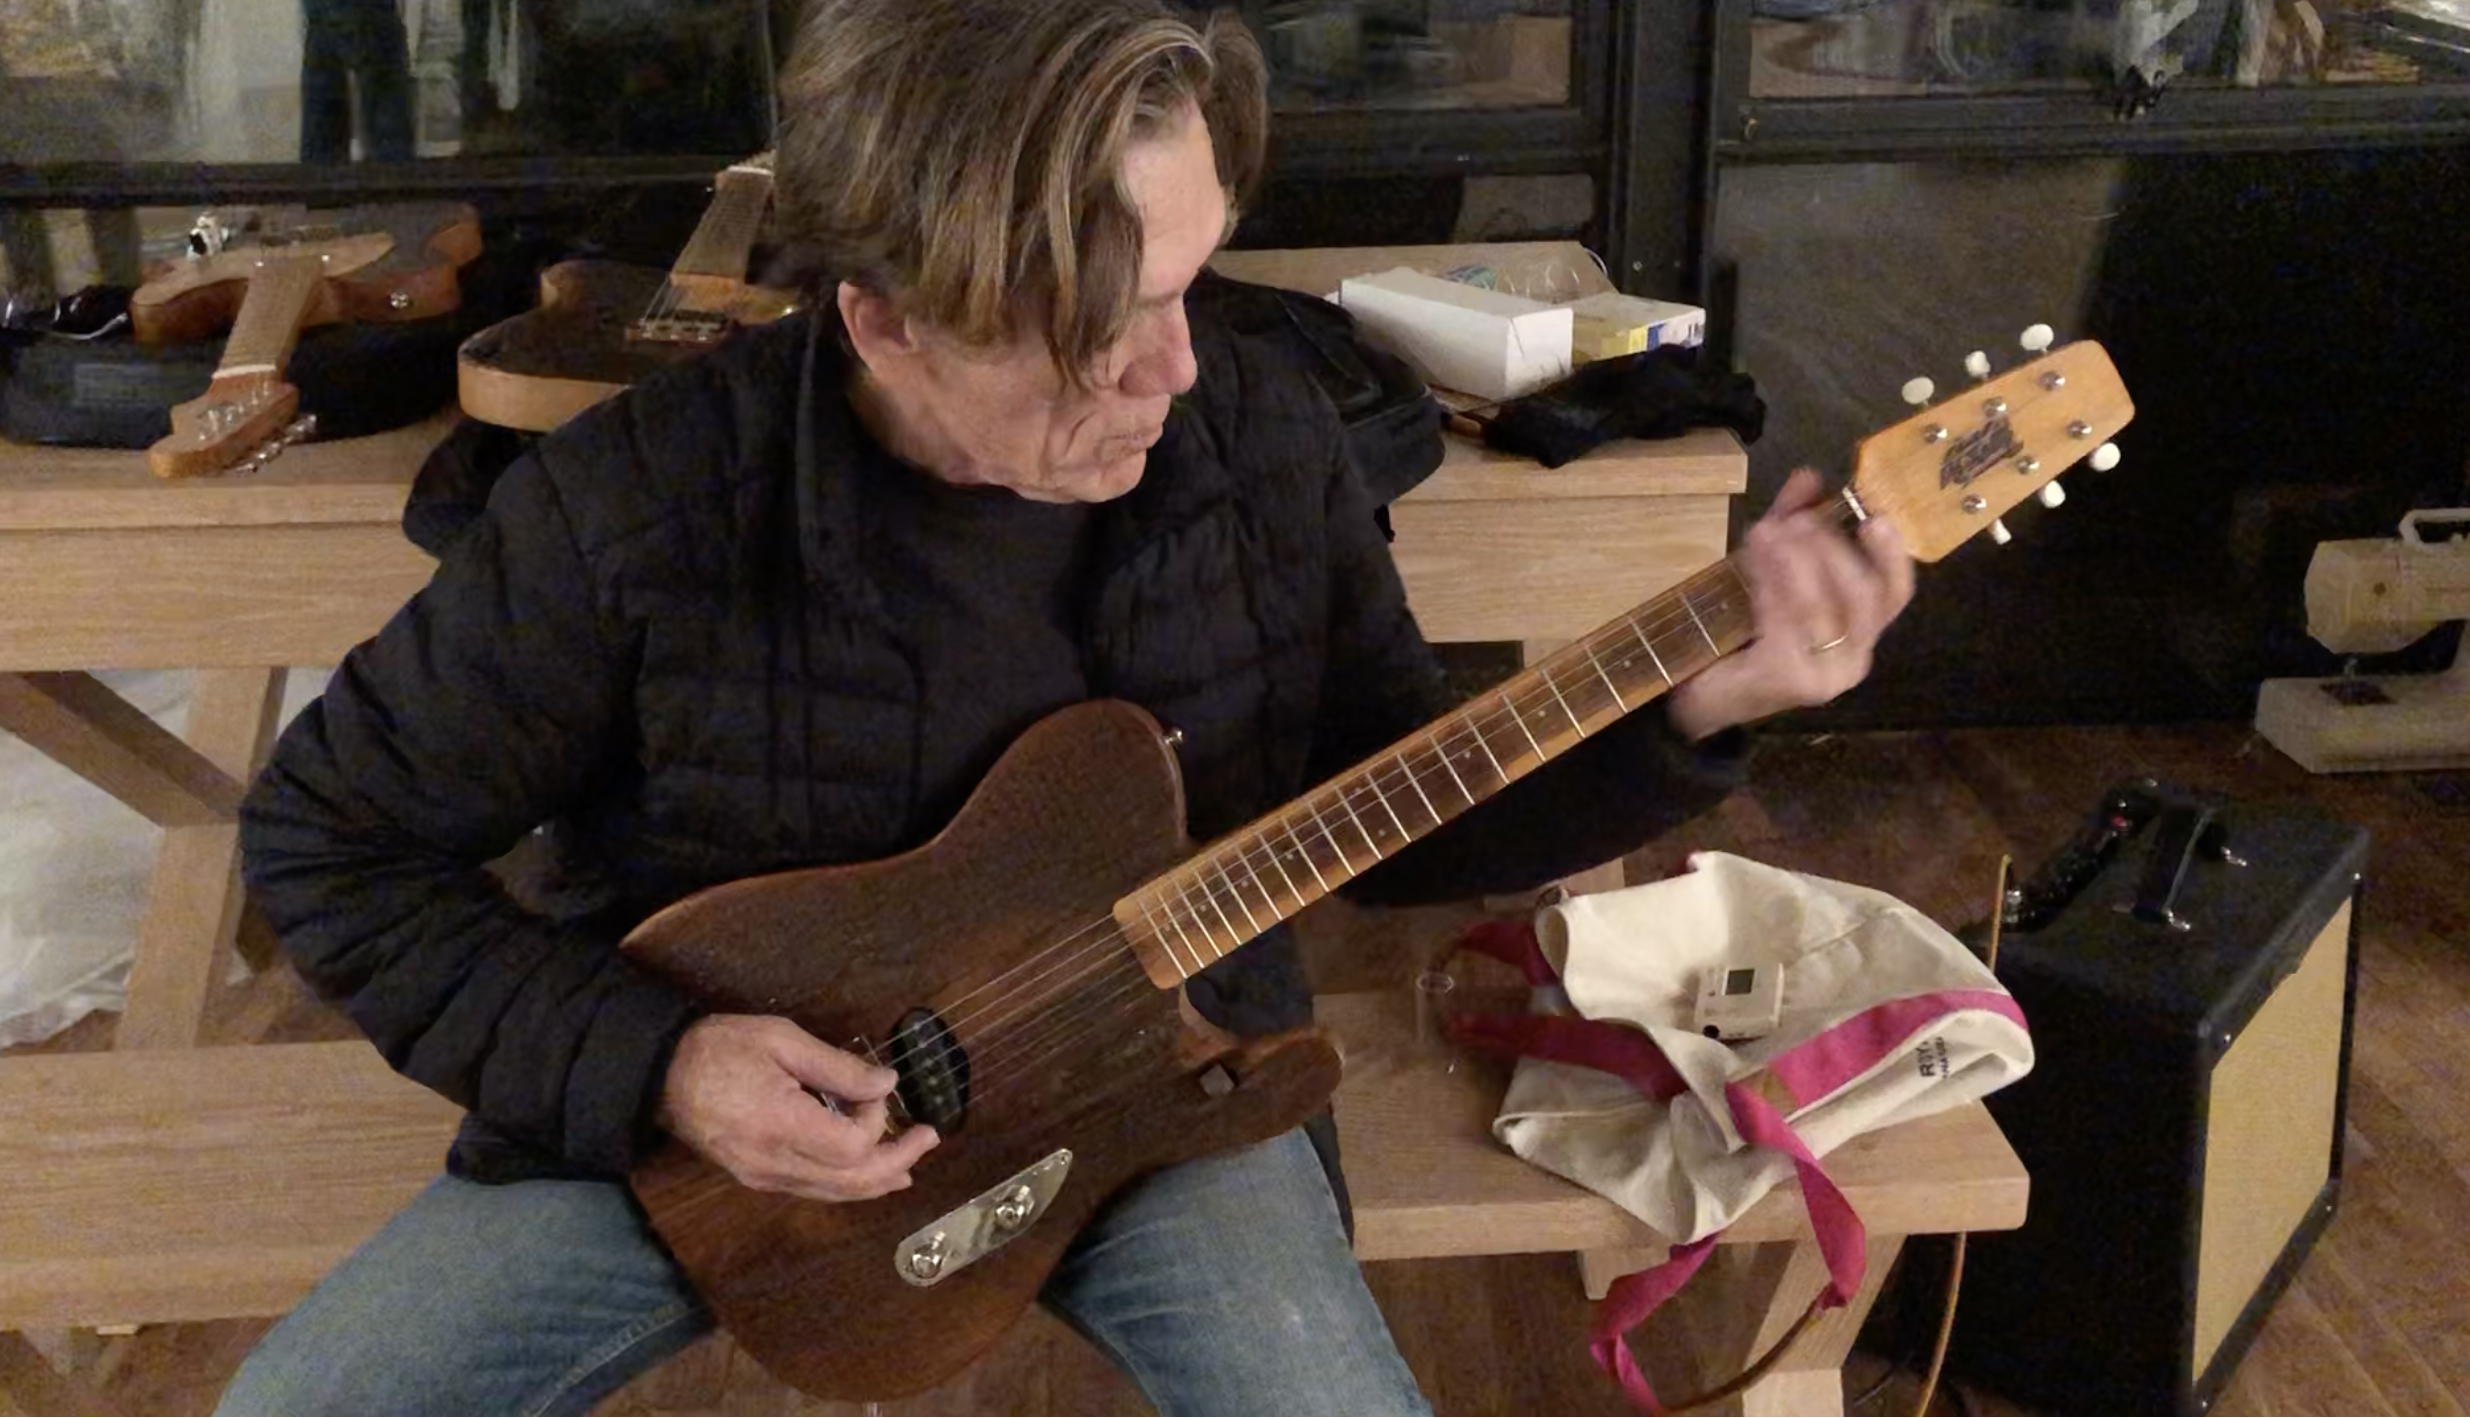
1495	547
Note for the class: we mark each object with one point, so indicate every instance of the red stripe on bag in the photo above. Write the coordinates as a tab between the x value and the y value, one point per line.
1627	1304
1512	942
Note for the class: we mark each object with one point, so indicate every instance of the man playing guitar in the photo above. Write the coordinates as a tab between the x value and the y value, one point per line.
785	604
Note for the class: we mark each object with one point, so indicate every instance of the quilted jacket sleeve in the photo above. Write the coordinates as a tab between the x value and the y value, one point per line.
476	714
1599	801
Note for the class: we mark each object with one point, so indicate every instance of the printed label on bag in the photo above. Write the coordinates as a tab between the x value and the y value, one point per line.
1931	1056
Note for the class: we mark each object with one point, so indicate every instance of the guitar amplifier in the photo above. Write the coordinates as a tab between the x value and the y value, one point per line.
2187	967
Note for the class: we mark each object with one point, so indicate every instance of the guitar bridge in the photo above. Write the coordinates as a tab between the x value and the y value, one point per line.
684	328
982	1225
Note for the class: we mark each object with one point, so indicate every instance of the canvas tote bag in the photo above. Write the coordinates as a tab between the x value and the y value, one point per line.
1884	1017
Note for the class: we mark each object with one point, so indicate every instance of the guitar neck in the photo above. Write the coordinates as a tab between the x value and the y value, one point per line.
1196	914
725	237
280	290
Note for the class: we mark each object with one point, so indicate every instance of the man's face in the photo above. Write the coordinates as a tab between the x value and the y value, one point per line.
1009	418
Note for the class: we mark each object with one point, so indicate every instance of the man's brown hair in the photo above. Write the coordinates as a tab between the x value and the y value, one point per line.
967	155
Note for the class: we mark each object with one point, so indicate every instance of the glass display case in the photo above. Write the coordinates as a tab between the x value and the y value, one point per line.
1871	48
320	82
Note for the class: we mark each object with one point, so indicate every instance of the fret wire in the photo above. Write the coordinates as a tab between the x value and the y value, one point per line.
1345	802
1167	945
1650	646
1283	874
1694	620
1184	888
1617	700
1306	853
1522	728
1237	892
1546	676
1374	780
1429	809
1212	898
1434	738
1478	731
1330	837
1268	901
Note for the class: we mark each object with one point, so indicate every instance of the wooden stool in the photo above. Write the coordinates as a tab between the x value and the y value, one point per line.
1427	1179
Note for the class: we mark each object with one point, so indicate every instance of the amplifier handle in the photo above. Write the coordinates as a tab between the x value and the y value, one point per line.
2184	830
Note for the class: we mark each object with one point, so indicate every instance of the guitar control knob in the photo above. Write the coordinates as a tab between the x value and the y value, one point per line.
2104	458
1013	1211
2051	494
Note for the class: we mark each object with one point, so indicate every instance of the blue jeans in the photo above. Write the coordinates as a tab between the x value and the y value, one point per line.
1220	1286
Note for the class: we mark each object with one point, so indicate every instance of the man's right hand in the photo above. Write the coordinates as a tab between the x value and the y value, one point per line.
737	1092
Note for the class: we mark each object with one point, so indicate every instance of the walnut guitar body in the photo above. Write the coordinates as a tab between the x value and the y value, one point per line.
536	370
1069	1048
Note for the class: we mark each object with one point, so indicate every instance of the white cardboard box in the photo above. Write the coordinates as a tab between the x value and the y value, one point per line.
1463	337
1611	324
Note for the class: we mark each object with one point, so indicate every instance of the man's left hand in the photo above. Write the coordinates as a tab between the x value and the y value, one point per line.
1818	602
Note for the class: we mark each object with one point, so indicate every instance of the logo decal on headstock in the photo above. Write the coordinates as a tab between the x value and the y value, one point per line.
1977	452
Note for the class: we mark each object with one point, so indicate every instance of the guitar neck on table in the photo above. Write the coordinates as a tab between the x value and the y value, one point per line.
245	415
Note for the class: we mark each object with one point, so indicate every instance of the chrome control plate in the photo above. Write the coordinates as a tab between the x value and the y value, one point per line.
983	1224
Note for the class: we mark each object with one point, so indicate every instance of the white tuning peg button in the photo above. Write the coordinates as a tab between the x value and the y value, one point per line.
2051	494
1999	532
2104	458
1977	364
1917	391
2036	338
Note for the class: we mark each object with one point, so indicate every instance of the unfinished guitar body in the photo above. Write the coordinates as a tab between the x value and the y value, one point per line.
1068	1049
417	276
580	346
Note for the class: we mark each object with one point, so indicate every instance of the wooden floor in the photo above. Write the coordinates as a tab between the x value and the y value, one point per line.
2377	1322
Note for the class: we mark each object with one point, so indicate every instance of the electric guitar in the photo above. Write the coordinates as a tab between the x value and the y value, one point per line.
602	325
1020	972
388	263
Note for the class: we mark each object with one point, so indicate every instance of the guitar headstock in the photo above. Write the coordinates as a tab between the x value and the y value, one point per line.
237	425
1959	465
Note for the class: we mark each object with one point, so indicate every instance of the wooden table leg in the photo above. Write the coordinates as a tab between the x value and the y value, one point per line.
1738	1305
76	721
193	906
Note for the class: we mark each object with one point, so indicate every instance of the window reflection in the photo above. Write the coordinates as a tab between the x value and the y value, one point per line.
238	81
1859	48
1415	54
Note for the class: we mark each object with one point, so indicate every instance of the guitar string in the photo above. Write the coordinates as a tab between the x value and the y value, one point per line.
671	297
1105	946
1004	1042
1053	1032
1347	790
1432	753
1057	1030
985	1049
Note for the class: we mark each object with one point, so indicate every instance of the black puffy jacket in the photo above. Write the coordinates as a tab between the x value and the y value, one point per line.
658	639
